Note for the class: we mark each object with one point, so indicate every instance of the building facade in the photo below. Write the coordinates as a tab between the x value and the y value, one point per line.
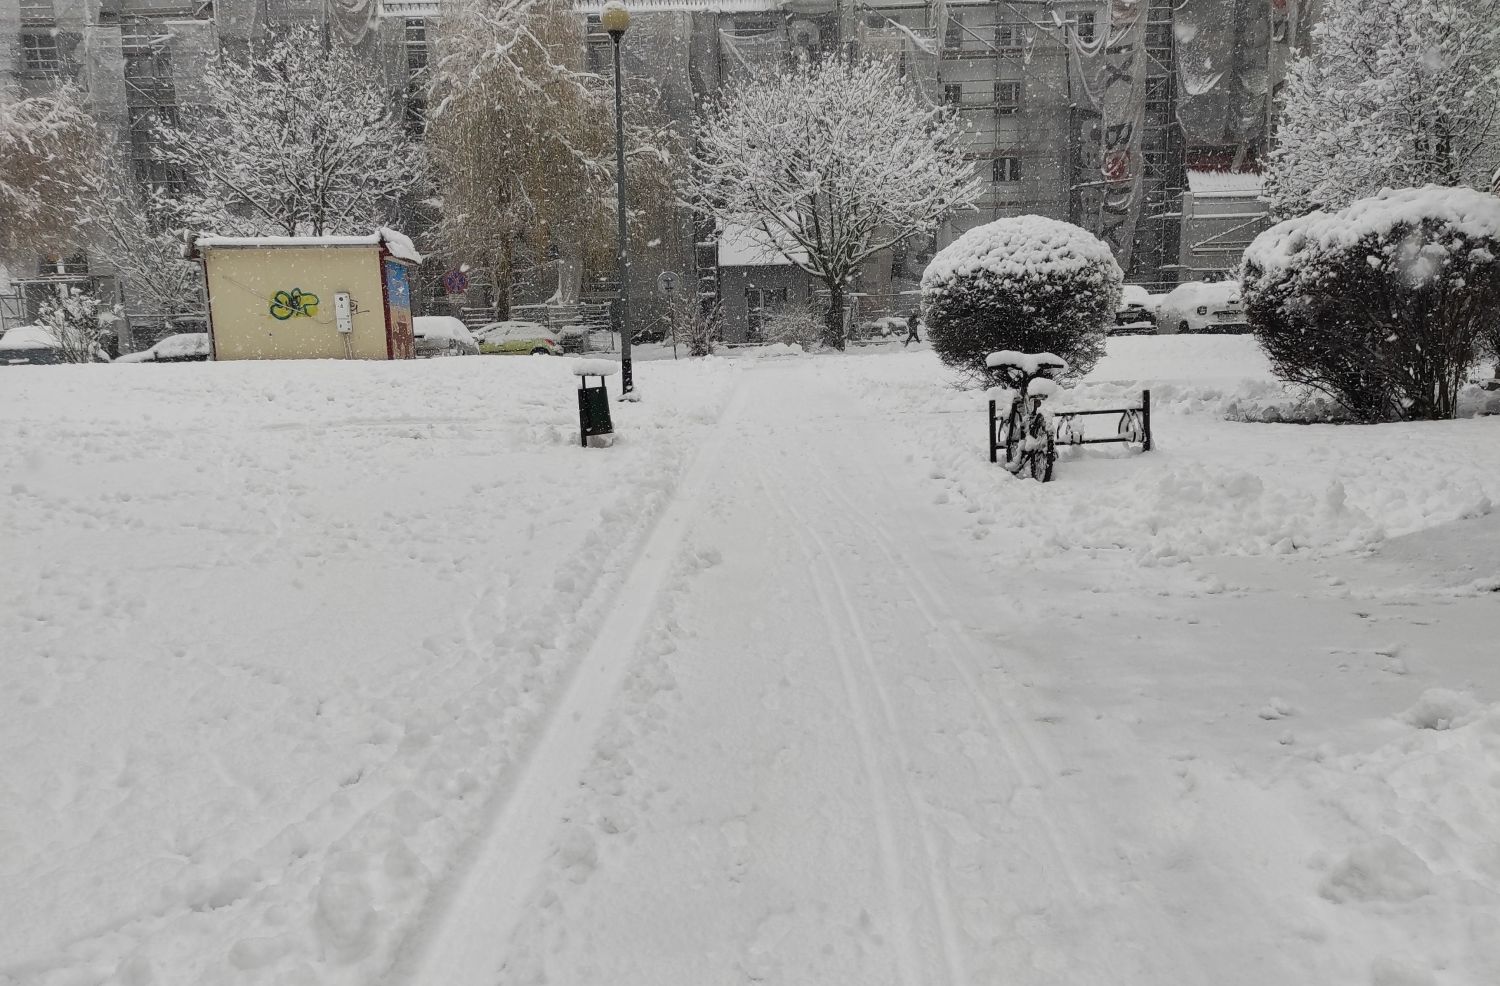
1090	111
139	62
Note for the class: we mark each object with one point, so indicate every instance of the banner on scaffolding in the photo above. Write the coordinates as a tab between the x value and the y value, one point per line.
1111	70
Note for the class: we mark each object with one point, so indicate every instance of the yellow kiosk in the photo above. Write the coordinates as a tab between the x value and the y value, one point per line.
308	297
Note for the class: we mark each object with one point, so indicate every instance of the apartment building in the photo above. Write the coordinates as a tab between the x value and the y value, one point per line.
1092	111
140	61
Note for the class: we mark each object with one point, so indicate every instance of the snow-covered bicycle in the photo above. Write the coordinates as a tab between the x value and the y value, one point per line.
1026	430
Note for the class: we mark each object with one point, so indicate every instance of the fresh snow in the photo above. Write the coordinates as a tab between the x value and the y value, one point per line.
1019	249
366	673
397	244
1459	210
1028	363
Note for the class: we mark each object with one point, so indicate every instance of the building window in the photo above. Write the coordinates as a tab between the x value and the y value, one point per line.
754	25
1006	169
954	38
39	54
150	99
1007	35
76	265
1007	98
1083	22
37	12
953	94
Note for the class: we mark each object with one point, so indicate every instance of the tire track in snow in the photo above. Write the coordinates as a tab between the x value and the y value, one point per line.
468	926
1005	726
934	610
908	952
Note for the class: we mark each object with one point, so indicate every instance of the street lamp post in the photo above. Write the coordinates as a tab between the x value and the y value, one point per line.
615	19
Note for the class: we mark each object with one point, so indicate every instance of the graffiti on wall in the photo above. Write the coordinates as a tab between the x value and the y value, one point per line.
295	303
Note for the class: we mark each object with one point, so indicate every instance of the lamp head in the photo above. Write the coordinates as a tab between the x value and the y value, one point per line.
614	18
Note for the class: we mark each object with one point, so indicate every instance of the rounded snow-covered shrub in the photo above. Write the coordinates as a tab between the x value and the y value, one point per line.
1031	284
1386	305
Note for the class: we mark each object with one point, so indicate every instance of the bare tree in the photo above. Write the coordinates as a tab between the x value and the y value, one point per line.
132	230
521	142
831	163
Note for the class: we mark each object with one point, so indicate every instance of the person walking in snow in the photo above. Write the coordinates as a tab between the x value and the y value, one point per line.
911	329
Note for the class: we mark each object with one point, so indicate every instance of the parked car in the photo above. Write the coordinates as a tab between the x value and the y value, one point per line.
442	335
1201	306
1137	312
518	337
883	327
35	345
184	347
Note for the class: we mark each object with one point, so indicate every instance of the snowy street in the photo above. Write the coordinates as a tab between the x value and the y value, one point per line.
373	676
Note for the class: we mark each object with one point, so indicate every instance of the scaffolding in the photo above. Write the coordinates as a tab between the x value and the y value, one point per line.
1156	262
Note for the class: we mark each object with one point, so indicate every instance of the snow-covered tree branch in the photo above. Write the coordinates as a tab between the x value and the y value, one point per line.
294	140
49	149
1393	95
831	163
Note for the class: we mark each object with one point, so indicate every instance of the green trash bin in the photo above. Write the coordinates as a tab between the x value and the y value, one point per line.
593	399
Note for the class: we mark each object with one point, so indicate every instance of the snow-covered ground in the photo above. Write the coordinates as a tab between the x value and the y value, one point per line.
329	673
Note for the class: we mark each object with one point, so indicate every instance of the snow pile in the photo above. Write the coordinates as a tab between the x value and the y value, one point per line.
182	344
1464	211
274	633
1026	248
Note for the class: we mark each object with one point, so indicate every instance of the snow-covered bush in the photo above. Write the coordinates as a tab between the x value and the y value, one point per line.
82	325
1030	284
696	326
794	324
1385	305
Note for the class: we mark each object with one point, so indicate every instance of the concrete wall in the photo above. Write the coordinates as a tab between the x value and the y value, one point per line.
243	283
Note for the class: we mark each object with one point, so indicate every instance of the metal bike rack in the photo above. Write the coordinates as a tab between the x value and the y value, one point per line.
1134	427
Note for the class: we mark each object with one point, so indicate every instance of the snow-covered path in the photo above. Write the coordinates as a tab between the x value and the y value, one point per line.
844	755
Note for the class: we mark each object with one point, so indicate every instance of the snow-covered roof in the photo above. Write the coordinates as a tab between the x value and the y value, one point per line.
1464	210
397	244
746	246
1226	183
440	327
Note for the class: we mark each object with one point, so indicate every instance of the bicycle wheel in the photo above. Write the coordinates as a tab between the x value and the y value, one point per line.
1041	462
1015	441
